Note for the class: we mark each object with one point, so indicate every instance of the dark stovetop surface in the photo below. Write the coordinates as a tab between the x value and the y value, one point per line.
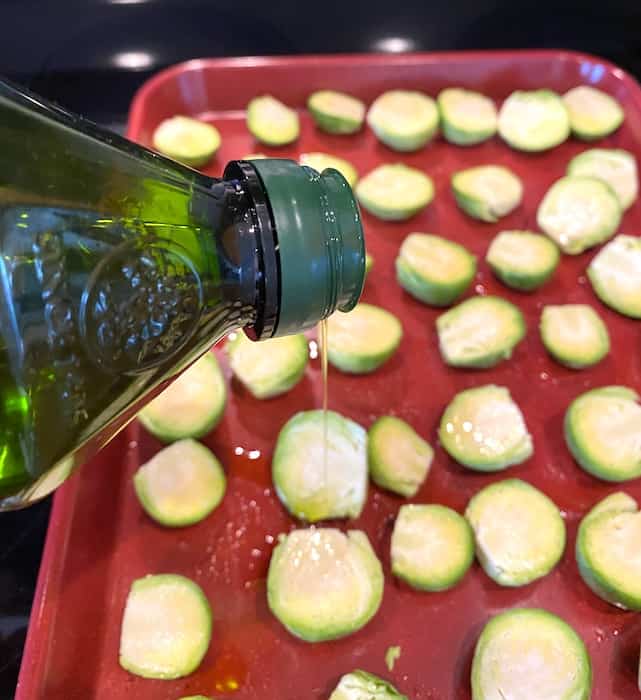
91	55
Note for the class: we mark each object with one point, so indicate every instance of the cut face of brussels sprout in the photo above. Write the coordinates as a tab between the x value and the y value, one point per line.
578	213
187	140
361	340
593	113
166	627
530	654
433	269
574	335
395	192
603	433
360	685
404	120
522	260
180	485
479	332
309	488
189	407
323	584
615	275
432	547
483	429
399	459
487	192
270	367
467	117
322	161
607	551
335	112
519	532
614	166
271	122
533	120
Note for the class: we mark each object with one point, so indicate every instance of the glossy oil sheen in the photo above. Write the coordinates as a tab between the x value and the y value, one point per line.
100	540
323	330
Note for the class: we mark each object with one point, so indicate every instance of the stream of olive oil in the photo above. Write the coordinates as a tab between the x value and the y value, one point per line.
323	350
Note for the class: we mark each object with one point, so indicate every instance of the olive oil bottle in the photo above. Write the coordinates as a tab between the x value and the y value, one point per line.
119	267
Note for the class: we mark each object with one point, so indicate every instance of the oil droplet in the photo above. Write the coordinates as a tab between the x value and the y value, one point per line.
544	376
313	349
253	454
229	684
479	289
238	451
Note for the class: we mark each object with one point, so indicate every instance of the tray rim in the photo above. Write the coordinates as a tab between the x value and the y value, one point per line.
136	109
42	617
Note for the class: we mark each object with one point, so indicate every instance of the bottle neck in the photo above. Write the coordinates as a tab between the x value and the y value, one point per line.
255	274
290	240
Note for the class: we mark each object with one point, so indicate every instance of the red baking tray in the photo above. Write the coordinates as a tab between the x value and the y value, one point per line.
99	539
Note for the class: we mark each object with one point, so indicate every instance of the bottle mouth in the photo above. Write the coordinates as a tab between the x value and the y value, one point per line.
320	241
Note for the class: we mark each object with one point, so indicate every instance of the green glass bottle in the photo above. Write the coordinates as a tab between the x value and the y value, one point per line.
119	267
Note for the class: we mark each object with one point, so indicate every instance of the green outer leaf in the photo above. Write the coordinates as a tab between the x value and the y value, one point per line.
140	481
515	330
263	129
474	203
518	575
285	376
150	581
556	131
457	134
598	232
395	211
603	286
425	288
479	461
458	562
524	280
529	616
367	686
599	581
313	629
332	122
392	655
163	426
579	444
364	359
387	130
401	434
586	355
591	134
289	460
